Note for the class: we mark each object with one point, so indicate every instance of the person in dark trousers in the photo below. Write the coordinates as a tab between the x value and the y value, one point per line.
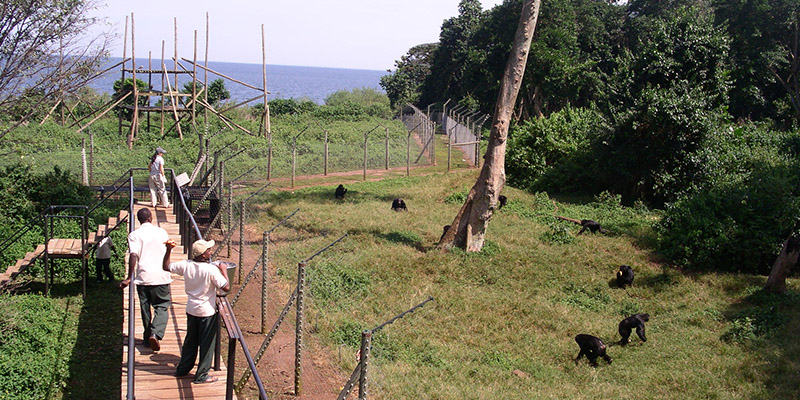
102	259
146	247
201	281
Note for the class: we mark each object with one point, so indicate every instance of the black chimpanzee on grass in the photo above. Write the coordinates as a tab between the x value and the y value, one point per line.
592	226
502	200
399	205
624	276
634	321
444	232
340	191
591	347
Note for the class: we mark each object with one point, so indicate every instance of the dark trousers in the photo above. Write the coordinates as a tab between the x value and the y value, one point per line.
102	267
158	297
201	332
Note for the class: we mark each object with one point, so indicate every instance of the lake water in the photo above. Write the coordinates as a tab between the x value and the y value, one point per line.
283	81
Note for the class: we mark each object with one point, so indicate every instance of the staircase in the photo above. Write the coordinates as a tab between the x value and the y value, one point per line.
62	248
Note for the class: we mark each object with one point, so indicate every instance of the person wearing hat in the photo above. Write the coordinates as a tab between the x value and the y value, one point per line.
158	181
201	281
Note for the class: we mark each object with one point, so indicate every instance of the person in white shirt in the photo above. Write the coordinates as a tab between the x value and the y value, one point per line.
102	259
158	181
201	280
146	246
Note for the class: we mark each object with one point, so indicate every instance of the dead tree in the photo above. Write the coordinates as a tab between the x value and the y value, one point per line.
776	282
473	219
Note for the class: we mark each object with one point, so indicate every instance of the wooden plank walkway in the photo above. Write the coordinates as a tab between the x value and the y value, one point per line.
154	371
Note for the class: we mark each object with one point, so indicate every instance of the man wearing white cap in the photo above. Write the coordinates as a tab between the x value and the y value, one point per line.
201	280
158	181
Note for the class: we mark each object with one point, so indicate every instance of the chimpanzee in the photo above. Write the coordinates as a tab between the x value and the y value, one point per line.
592	226
340	191
624	276
592	347
444	232
399	205
502	200
635	320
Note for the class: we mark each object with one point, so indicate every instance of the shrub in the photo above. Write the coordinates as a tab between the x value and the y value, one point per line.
33	336
733	226
539	145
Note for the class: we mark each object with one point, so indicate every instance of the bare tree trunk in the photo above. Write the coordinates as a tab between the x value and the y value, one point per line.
776	282
469	226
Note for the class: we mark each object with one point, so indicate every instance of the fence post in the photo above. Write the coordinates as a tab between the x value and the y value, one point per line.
325	155
386	165
269	154
84	167
298	335
91	156
264	281
241	240
366	344
365	155
433	142
449	150
294	158
408	154
229	209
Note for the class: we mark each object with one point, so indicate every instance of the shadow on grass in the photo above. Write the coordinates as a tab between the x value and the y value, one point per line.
95	363
765	325
405	238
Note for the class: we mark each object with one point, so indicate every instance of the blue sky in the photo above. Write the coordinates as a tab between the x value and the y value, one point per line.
359	34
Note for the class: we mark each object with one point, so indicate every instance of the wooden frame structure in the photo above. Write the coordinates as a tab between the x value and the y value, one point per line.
178	106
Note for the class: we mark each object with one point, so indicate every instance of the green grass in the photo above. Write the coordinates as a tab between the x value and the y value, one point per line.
519	303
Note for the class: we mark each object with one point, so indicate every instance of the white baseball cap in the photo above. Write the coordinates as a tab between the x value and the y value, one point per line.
200	247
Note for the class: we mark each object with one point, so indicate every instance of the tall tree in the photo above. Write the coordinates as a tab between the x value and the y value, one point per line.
404	85
44	52
470	224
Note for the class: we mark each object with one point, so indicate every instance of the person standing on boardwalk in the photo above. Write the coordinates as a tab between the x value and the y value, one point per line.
102	259
158	181
201	280
146	247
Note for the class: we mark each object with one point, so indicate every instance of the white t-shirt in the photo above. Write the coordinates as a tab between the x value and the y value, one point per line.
201	281
104	248
148	243
155	166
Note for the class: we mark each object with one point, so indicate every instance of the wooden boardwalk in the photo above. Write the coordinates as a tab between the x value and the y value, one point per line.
154	371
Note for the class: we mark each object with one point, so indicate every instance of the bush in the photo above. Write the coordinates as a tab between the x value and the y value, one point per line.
735	225
33	336
547	144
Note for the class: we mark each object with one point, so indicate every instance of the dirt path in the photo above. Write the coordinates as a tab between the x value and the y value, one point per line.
321	377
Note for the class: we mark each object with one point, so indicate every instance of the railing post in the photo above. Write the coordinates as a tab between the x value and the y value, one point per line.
241	239
46	256
131	303
231	368
298	338
264	281
366	344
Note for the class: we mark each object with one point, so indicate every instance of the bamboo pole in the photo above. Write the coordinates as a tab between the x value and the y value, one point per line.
163	86
149	84
134	119
265	117
91	157
386	165
226	77
325	155
194	81
122	71
105	112
172	100
175	50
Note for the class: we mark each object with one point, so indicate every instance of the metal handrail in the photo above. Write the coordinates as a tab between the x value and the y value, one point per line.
131	302
16	235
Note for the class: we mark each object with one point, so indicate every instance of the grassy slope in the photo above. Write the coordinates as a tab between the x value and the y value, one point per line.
519	305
